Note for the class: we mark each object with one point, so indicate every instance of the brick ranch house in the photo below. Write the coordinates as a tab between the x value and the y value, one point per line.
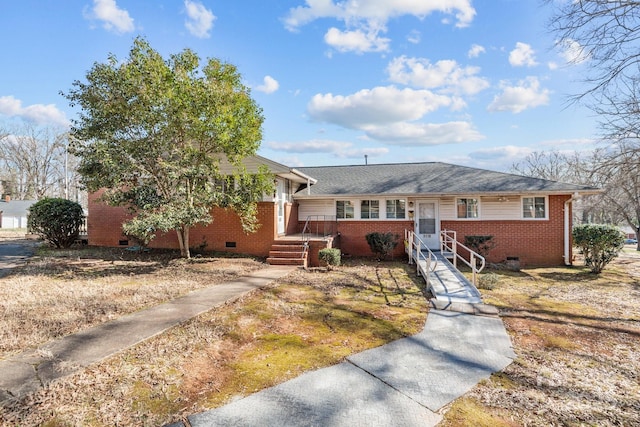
336	206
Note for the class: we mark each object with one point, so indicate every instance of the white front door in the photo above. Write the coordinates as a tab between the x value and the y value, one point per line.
427	223
281	198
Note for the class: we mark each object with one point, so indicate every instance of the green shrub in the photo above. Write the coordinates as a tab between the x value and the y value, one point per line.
480	244
382	244
599	243
139	231
330	256
488	281
57	220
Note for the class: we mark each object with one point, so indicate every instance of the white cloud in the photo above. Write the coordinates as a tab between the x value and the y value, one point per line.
269	85
365	20
527	94
357	41
572	52
424	134
379	11
571	145
37	113
311	146
511	153
339	149
522	55
113	18
377	106
199	19
358	153
475	51
446	75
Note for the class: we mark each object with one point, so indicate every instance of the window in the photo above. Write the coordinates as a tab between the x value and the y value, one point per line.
534	207
467	208
370	209
395	209
344	209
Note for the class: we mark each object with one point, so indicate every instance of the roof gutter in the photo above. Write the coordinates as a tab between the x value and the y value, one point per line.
309	179
567	227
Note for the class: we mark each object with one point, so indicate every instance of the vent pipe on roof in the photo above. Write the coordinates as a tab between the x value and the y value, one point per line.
365	159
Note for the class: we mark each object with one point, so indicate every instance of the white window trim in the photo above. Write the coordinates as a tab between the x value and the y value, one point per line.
546	208
455	208
356	209
382	206
406	209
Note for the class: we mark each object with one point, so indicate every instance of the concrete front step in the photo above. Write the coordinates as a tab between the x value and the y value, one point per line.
287	248
287	252
287	261
282	254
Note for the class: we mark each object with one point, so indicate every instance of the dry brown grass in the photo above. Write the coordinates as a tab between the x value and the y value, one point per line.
577	337
308	320
60	292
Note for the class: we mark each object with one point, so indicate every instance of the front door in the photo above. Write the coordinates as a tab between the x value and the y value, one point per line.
427	223
281	199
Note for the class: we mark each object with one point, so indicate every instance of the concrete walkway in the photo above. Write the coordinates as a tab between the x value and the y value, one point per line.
28	371
404	383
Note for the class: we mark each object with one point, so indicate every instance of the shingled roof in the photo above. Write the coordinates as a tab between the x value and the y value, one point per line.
16	208
431	178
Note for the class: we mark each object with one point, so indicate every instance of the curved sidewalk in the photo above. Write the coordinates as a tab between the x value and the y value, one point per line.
403	383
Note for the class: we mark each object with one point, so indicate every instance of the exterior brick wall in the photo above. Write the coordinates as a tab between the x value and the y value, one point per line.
104	226
291	218
534	242
353	242
104	223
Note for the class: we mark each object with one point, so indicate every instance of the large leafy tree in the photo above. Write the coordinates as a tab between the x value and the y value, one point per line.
154	133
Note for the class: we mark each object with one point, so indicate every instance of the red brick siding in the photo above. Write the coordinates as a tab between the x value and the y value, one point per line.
104	229
313	256
353	242
291	218
534	242
104	223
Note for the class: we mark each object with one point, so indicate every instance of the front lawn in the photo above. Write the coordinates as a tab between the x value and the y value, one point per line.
309	319
577	337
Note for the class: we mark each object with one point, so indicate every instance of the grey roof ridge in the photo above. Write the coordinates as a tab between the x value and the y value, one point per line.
455	165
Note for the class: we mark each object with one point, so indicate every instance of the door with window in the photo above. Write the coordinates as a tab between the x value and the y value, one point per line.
281	199
427	223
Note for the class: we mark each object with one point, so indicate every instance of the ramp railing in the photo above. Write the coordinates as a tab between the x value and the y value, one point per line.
449	246
415	249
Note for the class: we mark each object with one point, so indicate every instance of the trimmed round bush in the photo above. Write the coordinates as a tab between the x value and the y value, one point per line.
57	220
599	244
330	256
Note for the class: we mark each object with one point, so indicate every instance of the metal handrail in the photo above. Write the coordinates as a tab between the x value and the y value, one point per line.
449	243
318	219
413	243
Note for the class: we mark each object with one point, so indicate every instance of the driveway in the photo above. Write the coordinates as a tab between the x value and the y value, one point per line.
14	251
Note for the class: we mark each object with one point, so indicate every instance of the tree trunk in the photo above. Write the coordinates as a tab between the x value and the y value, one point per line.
183	240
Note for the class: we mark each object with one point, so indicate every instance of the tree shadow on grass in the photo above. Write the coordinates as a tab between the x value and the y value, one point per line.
86	262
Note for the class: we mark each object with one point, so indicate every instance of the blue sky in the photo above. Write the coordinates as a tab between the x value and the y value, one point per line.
478	83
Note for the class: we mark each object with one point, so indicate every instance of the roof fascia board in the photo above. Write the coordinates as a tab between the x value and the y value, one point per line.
432	195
